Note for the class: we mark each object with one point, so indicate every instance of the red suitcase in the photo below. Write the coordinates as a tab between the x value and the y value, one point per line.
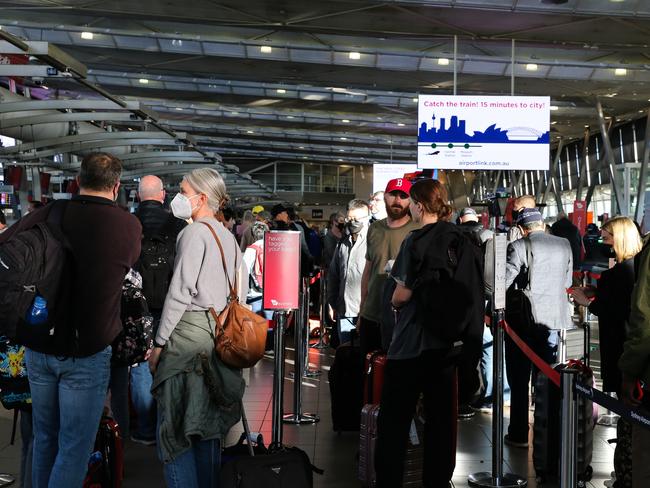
374	377
106	465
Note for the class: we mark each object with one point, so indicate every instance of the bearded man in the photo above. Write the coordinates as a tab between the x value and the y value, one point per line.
384	240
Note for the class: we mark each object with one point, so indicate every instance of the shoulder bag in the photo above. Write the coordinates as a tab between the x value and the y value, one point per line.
519	312
240	334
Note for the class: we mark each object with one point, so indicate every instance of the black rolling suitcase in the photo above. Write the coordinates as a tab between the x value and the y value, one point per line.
546	428
346	387
276	467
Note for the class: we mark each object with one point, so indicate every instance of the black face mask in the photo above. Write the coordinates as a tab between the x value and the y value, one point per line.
514	215
341	226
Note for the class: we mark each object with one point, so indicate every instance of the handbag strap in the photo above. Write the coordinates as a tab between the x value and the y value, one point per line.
233	288
529	261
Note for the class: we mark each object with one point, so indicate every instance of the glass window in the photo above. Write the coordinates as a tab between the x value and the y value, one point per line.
330	174
289	177
346	179
312	177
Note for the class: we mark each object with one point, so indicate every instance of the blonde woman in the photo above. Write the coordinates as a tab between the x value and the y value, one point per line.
197	395
610	301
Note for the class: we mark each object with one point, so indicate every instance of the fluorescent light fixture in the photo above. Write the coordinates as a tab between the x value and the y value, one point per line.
345	121
266	49
290	117
234	113
179	108
87	36
250	132
343	138
355	55
144	81
531	67
341	150
400	125
281	90
301	147
554	107
443	61
620	71
339	160
415	100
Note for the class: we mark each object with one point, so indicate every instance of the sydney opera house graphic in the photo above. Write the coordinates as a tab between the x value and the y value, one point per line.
456	132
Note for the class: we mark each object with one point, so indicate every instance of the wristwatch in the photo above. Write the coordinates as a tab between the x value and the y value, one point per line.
157	344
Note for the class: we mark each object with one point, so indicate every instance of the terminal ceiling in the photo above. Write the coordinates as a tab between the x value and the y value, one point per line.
262	81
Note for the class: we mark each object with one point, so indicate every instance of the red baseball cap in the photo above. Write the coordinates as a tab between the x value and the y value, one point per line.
399	184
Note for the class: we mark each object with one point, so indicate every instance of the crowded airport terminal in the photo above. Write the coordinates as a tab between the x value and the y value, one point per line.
336	244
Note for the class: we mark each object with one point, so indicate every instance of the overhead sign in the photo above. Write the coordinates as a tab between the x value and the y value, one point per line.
483	132
281	277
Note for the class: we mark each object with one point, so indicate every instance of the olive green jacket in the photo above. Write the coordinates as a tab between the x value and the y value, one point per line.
635	360
198	396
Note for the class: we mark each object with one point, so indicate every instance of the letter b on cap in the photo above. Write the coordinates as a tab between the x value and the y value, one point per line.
398	183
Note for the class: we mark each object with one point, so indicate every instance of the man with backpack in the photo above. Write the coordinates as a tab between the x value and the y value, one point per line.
156	266
81	250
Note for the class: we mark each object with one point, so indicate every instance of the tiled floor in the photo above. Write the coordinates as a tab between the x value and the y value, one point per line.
333	452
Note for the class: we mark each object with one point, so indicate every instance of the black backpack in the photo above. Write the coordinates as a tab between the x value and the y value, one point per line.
453	294
156	263
38	261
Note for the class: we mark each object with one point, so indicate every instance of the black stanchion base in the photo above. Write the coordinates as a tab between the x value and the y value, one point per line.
486	480
319	345
300	419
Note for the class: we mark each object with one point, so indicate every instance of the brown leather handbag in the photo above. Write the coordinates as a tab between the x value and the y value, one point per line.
240	335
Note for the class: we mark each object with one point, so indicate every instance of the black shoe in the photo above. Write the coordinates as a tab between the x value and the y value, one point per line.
513	443
465	412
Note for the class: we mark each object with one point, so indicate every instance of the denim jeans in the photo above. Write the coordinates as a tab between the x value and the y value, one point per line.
198	467
27	449
487	367
143	402
67	401
119	386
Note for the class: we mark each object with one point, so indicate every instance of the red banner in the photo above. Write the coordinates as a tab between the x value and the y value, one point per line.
579	216
281	278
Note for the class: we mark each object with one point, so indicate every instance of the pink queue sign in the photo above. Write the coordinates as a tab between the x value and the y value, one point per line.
281	277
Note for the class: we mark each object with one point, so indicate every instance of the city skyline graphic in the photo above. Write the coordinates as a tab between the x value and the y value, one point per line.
457	133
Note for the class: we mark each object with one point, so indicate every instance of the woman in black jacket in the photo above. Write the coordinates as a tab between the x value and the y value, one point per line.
426	340
610	301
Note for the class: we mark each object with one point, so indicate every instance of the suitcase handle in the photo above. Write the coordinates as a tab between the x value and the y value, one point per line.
247	430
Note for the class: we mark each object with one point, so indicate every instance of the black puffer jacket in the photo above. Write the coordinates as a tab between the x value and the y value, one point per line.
153	217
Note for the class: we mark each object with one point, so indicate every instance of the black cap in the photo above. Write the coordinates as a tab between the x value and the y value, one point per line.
277	210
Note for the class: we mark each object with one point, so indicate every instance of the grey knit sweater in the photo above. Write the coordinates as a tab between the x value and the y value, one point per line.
198	282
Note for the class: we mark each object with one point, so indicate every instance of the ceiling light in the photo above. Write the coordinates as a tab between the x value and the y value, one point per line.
304	157
179	108
554	107
531	67
281	90
343	138
345	121
341	150
87	36
415	100
400	125
443	61
355	55
554	122
620	71
266	49
250	132
290	117
301	147
234	113
177	42
144	81
339	160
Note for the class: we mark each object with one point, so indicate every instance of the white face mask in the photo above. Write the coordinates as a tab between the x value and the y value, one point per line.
182	206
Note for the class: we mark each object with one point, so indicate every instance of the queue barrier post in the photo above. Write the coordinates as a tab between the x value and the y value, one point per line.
307	372
497	478
322	310
297	417
569	426
278	377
